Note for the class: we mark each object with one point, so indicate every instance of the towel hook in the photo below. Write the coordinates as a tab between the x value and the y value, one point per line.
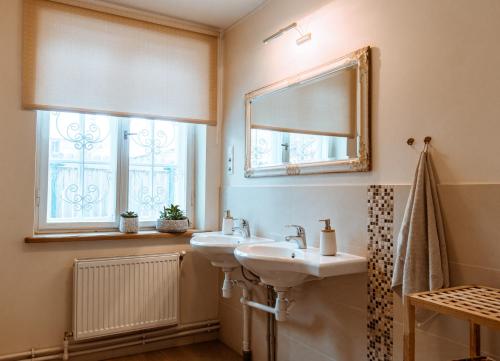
411	141
427	140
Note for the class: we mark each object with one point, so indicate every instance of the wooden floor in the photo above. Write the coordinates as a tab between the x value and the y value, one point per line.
207	351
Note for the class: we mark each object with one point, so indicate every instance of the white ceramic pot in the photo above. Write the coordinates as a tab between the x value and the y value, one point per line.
170	226
129	225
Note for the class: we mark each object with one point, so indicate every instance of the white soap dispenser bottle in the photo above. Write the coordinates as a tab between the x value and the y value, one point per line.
327	240
227	223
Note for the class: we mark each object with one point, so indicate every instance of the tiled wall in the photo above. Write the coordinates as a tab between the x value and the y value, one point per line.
380	267
329	321
329	317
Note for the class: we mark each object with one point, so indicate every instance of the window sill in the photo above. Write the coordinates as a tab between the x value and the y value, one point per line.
106	236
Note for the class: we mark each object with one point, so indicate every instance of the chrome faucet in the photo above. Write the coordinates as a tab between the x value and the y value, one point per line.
300	238
243	228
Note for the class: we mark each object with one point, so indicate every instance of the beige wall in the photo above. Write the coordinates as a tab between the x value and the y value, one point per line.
35	280
434	73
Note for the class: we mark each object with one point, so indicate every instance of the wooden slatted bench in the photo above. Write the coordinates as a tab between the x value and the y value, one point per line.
476	304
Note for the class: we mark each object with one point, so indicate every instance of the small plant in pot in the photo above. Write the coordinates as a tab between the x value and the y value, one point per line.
172	220
129	222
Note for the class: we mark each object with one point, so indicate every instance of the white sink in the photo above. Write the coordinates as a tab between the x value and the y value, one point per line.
282	265
219	248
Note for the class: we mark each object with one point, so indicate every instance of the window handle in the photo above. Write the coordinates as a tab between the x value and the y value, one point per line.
126	134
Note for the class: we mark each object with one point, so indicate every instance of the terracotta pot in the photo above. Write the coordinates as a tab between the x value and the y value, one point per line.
171	226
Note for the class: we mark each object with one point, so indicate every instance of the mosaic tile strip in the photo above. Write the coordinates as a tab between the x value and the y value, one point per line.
380	267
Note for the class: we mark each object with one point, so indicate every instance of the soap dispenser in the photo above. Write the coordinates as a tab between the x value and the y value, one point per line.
327	240
227	223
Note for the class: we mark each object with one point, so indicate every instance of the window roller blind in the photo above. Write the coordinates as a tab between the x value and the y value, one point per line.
83	60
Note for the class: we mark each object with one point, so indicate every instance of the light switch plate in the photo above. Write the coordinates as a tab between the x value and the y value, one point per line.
230	160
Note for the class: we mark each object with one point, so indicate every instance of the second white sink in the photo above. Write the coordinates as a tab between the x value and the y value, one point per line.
219	248
282	265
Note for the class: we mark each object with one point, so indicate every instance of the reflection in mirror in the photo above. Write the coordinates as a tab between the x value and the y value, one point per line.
271	148
315	122
325	105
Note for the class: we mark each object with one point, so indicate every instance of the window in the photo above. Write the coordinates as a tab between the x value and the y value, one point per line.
92	167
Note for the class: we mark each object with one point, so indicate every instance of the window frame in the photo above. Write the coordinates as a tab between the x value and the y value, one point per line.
122	179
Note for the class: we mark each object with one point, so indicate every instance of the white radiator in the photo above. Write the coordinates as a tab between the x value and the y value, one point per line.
123	294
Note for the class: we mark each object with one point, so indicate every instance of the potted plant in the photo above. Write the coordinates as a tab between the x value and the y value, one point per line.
129	222
172	220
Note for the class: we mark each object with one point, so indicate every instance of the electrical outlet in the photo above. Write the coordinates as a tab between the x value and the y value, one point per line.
230	160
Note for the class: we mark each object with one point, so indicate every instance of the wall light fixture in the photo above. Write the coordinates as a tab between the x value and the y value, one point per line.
302	39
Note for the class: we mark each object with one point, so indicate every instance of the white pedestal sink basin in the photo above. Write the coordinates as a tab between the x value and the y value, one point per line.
282	265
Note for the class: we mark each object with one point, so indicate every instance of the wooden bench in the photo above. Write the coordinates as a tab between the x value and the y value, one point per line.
478	305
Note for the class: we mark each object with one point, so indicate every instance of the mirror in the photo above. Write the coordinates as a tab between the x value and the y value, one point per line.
314	122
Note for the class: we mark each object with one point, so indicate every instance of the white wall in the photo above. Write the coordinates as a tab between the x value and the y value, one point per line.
435	73
35	280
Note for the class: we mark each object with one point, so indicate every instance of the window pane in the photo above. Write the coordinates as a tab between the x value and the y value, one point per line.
308	148
267	148
157	166
82	168
273	148
316	148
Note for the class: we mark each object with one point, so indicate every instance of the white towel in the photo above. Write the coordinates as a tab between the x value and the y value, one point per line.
421	262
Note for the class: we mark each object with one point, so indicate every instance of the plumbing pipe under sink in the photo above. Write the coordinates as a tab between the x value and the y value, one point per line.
247	353
281	308
271	326
227	285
